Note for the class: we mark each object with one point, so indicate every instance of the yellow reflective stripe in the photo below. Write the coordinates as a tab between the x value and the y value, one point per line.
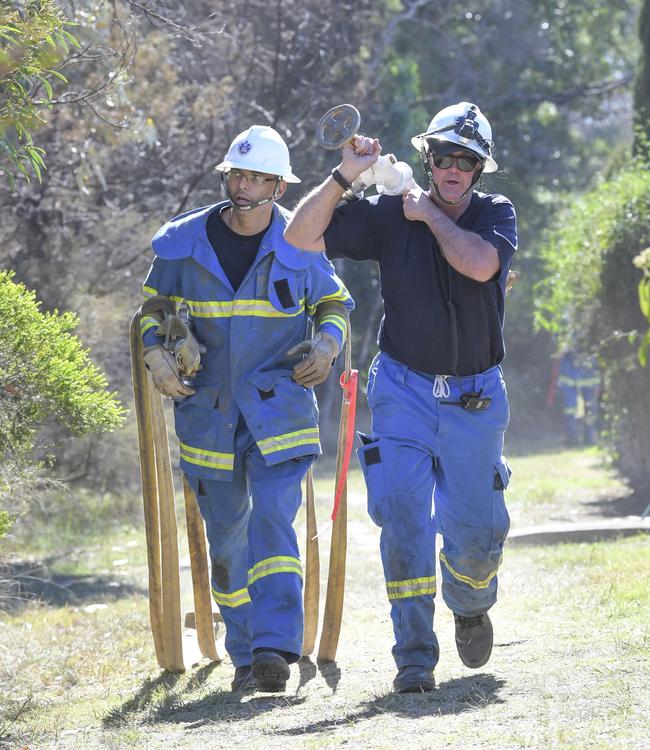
411	587
341	293
235	599
263	309
147	323
337	321
577	382
288	440
211	459
466	579
271	565
258	308
210	309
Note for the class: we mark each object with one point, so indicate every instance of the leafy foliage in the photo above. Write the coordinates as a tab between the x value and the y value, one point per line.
642	261
589	300
642	87
33	41
46	376
46	373
592	225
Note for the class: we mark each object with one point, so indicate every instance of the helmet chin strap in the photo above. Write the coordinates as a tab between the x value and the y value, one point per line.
251	206
433	185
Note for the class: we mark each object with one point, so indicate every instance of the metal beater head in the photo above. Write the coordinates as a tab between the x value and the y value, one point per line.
337	126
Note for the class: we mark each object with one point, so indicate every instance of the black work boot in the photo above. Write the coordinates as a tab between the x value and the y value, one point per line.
243	681
414	679
271	671
474	637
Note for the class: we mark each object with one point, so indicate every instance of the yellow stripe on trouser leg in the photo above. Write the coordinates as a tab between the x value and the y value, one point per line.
411	587
234	599
473	582
279	564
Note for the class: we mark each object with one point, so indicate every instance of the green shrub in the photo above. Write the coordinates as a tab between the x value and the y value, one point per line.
589	300
46	376
642	261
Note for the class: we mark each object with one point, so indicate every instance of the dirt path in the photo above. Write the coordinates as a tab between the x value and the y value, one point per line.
570	670
558	678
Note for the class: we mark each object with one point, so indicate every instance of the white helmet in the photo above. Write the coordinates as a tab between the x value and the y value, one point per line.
259	149
464	124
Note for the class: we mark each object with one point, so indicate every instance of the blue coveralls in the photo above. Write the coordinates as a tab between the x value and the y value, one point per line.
579	377
249	434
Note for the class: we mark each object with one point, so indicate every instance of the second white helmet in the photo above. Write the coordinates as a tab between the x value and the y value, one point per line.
465	125
259	149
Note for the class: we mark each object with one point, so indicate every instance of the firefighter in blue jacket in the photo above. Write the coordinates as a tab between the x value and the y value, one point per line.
248	423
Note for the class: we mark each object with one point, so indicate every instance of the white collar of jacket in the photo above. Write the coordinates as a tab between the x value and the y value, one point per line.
185	236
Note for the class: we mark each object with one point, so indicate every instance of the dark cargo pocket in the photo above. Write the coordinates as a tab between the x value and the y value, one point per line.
372	466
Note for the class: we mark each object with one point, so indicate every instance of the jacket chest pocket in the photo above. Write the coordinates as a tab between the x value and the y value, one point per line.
279	295
262	283
286	288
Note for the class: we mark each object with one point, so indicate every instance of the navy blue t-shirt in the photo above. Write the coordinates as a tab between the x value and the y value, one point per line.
416	282
236	252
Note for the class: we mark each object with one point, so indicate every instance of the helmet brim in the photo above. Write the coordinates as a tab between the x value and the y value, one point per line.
227	164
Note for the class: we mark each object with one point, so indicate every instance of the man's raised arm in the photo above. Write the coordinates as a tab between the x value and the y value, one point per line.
314	212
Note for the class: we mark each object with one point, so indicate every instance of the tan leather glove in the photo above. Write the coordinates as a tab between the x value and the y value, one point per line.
165	372
322	351
187	350
179	339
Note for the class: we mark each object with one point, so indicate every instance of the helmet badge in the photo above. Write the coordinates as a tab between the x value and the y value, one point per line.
245	147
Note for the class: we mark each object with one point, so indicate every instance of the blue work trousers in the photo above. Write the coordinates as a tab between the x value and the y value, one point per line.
434	467
256	574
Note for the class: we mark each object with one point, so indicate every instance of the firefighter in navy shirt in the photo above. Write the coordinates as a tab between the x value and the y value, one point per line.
433	462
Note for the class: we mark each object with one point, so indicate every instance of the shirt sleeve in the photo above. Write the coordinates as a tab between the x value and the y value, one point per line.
497	224
355	230
160	280
326	286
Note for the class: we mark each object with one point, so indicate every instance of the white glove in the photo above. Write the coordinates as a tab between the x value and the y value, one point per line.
321	352
389	176
165	372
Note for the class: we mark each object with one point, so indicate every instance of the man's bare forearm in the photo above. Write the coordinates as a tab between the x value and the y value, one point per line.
465	251
312	216
314	212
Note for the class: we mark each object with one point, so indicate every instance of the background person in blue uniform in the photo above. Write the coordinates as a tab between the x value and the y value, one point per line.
436	391
248	424
579	383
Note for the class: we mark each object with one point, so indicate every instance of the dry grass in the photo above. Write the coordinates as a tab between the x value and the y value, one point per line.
570	667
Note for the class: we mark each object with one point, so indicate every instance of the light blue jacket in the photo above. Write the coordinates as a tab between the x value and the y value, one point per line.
247	334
